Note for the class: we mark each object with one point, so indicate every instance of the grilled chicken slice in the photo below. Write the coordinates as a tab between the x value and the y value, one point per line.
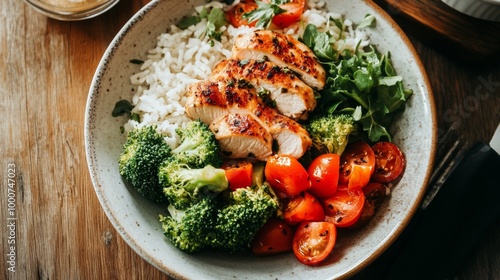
283	50
206	102
211	100
281	86
242	136
291	137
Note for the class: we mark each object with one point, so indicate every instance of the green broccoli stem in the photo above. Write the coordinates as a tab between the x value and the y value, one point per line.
209	179
188	145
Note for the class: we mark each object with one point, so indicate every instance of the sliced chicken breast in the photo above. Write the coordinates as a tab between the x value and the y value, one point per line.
211	100
206	102
291	137
242	136
283	50
291	96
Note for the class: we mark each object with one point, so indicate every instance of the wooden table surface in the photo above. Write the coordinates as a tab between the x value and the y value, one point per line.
60	230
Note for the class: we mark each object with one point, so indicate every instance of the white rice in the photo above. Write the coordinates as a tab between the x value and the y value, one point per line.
183	57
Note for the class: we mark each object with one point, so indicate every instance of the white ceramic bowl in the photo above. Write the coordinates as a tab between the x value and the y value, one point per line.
136	219
71	10
482	9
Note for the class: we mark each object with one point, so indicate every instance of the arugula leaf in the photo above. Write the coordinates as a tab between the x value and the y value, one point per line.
319	42
340	25
368	21
363	79
323	48
333	99
309	35
388	68
389	81
372	122
265	13
394	97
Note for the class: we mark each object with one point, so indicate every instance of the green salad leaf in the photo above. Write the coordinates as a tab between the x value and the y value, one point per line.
362	82
319	42
368	21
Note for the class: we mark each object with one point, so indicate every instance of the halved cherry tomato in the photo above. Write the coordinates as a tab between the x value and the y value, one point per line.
304	207
273	238
374	195
286	175
344	207
314	241
389	162
238	173
356	154
324	175
235	14
360	176
293	11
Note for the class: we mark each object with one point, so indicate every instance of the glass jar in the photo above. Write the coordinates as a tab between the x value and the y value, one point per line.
69	10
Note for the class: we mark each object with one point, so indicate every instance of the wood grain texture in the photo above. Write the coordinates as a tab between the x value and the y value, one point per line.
61	229
62	232
460	36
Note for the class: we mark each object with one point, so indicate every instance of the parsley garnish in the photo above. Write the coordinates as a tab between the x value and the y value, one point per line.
122	107
265	13
136	61
216	18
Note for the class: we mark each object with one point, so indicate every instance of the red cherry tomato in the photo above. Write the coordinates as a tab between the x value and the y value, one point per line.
235	14
286	175
324	175
293	11
304	207
314	241
238	173
374	195
360	176
389	162
344	207
356	154
273	238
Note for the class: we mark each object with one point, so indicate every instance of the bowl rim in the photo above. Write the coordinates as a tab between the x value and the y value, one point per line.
356	268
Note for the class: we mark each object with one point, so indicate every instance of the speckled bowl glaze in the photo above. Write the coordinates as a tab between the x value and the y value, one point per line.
137	219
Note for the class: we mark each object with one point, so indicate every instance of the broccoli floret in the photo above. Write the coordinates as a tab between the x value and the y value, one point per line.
244	212
189	230
224	223
184	185
330	133
198	146
143	152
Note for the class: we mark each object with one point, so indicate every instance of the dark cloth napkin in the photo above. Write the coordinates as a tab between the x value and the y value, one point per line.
439	238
